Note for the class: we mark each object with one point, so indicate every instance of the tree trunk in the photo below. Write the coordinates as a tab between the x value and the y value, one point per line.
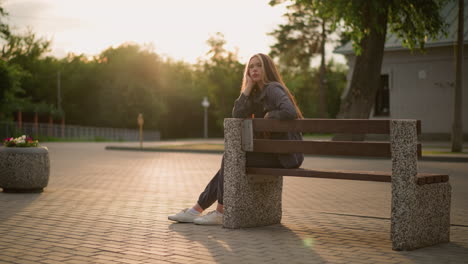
51	126
20	121
457	128
63	127
36	124
322	81
360	97
365	80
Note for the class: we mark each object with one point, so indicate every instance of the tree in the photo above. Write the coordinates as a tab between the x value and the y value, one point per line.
307	91
299	40
413	21
128	84
23	53
24	48
182	93
11	77
223	77
80	89
10	89
4	27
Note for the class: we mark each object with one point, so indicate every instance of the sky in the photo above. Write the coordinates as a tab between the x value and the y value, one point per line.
177	29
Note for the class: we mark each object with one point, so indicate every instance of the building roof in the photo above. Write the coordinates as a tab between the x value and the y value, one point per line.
449	12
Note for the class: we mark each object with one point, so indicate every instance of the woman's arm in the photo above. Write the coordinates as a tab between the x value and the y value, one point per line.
243	104
242	107
278	104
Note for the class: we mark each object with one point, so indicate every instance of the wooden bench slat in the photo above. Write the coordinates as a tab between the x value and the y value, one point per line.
343	148
327	174
312	125
309	125
379	176
445	178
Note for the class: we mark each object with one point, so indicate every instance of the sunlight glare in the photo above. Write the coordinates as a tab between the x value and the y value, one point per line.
308	242
178	29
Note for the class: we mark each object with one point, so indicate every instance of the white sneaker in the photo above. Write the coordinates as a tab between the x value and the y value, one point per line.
184	216
212	218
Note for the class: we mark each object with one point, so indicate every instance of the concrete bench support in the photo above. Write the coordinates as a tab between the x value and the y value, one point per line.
246	203
420	214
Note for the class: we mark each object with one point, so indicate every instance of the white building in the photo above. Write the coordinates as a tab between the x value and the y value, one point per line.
421	86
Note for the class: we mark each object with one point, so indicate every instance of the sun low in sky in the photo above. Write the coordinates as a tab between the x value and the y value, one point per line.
175	28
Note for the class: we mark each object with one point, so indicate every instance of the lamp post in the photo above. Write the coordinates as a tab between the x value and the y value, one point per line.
205	105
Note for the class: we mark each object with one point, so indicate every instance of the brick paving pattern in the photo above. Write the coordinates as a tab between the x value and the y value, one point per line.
112	206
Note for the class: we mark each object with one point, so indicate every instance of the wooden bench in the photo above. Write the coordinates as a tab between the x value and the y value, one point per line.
252	196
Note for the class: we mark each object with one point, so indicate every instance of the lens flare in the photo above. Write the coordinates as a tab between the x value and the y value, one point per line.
308	242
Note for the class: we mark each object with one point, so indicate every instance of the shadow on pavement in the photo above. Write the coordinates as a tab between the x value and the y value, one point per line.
272	244
12	203
280	244
452	252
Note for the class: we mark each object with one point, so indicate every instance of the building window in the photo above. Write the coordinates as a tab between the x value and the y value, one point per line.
382	98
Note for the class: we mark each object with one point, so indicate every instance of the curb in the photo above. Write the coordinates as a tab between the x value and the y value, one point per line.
204	151
444	158
166	150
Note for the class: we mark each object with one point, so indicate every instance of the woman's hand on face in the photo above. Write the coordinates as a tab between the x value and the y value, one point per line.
249	85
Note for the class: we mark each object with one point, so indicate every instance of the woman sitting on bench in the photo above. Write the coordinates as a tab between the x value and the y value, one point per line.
263	95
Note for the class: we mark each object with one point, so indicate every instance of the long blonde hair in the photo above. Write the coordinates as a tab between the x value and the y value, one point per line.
270	74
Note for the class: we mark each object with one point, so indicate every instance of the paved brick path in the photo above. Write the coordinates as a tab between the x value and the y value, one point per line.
112	206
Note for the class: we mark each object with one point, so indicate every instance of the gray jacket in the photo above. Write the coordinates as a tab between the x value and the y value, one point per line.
273	103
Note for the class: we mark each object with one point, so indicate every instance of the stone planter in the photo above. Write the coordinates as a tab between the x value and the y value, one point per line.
24	169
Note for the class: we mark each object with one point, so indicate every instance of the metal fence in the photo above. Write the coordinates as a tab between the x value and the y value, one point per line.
8	129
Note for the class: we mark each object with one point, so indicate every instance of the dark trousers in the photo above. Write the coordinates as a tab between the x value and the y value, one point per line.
215	188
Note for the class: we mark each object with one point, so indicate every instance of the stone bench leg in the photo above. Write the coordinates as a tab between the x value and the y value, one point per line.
420	214
246	203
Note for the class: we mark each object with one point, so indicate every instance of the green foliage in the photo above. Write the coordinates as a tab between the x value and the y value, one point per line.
181	94
25	48
414	21
10	89
79	88
305	87
23	74
366	23
10	77
4	28
299	39
222	76
297	42
336	84
127	84
26	51
411	20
